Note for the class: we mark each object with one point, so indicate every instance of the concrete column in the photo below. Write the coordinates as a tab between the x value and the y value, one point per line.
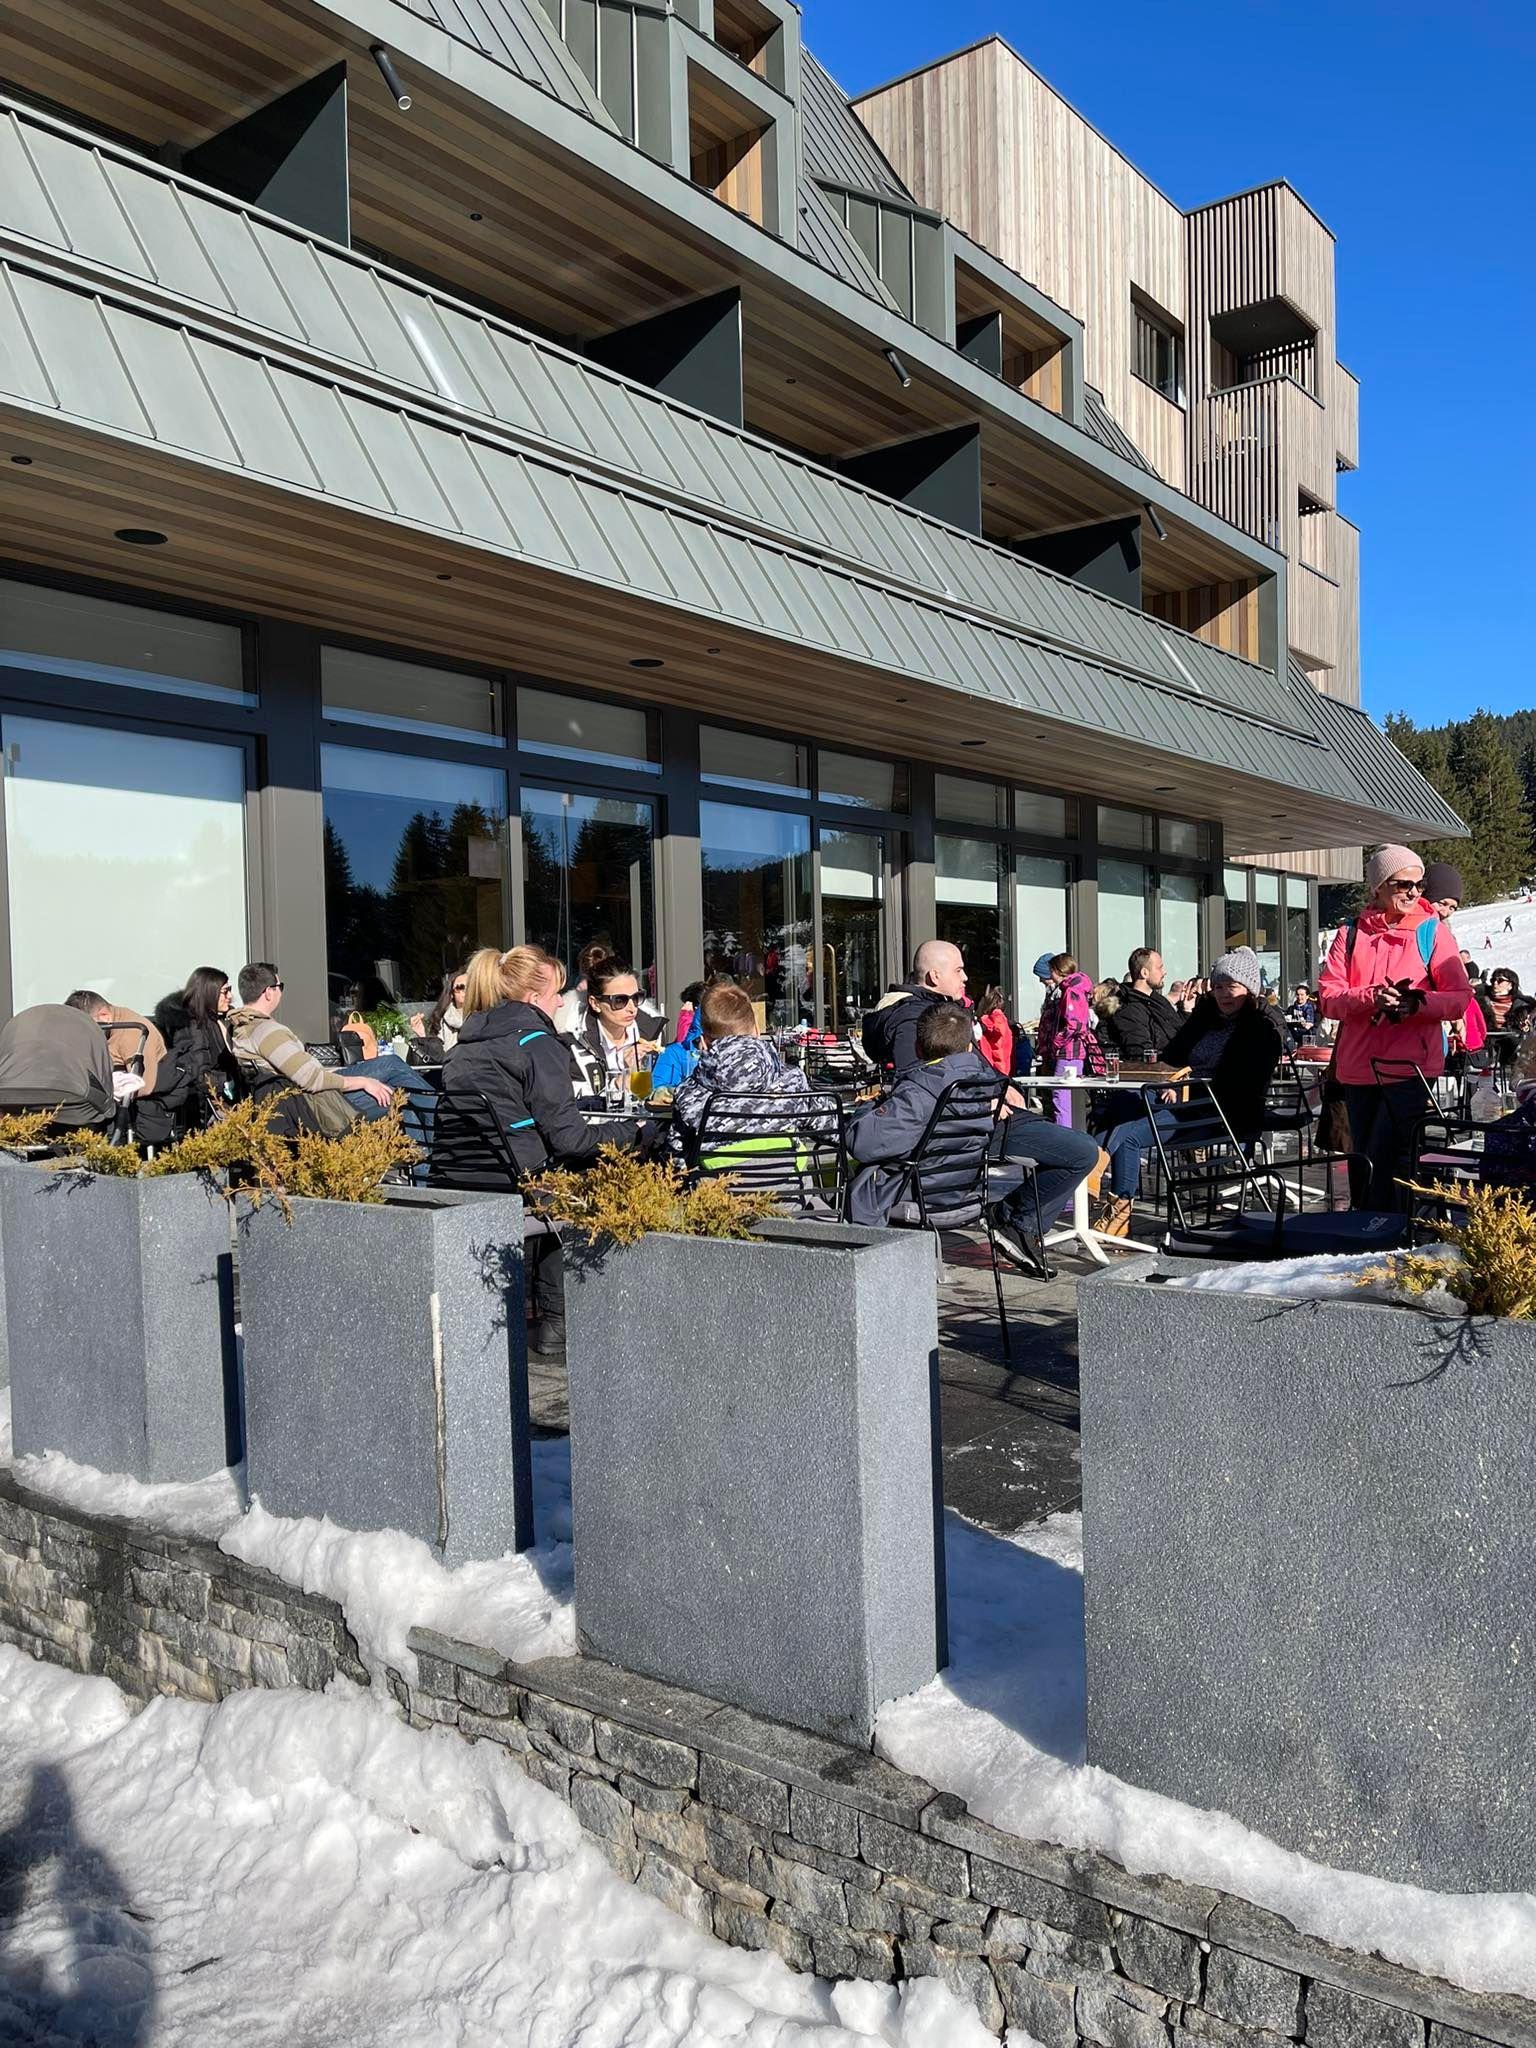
292	834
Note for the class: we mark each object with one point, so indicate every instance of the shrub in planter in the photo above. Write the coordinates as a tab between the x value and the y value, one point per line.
385	1350
21	1133
119	1301
753	1470
1310	1556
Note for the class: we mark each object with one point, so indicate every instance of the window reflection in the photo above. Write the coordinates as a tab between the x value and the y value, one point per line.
757	906
852	921
587	866
968	886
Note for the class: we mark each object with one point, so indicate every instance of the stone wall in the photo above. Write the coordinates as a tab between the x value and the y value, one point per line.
766	1836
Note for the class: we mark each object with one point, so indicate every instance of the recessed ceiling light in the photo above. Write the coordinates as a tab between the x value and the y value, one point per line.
443	576
711	650
647	661
140	536
22	461
1162	789
477	216
903	700
973	743
791	380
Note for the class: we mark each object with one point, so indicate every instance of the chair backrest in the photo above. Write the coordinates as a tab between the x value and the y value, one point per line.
469	1147
790	1145
1406	1115
835	1066
1200	1154
945	1182
1288	1106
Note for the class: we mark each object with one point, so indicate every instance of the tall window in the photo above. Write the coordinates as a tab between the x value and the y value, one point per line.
968	886
852	925
1124	913
757	906
413	870
587	875
1042	919
1157	351
1179	939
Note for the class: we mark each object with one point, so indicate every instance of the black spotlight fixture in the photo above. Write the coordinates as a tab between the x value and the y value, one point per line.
902	374
390	76
1157	525
22	461
140	536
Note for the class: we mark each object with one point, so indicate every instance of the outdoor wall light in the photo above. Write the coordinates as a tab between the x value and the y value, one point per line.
1163	788
140	536
390	76
903	375
973	743
1157	525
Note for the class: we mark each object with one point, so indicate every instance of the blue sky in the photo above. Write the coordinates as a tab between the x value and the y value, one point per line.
1408	127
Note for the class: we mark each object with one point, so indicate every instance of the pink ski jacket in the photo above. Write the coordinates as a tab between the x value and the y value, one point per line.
1383	953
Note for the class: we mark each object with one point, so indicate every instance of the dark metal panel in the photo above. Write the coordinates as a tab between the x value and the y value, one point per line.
290	156
691	353
939	474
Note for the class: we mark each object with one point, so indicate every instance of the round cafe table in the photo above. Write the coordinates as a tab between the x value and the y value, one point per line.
1079	1087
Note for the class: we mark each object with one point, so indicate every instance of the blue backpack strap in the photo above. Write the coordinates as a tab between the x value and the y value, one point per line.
1426	935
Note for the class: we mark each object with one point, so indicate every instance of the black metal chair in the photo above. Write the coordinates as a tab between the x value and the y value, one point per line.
950	1181
1200	1160
840	1066
1291	1108
471	1151
125	1122
792	1146
1426	1133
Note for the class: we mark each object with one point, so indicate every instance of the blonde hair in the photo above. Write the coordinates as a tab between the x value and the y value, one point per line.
494	977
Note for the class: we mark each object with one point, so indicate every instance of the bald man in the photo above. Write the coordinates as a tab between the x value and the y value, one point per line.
890	1029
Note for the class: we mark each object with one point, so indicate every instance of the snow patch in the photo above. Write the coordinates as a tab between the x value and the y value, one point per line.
1330	1277
293	1867
201	1508
1004	1726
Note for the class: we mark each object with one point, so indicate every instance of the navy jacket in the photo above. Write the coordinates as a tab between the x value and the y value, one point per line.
514	1057
890	1030
881	1139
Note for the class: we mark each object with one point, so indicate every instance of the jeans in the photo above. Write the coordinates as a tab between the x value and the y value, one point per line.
1374	1131
420	1099
1126	1145
1063	1156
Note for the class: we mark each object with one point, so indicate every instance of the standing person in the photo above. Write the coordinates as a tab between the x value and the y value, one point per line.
617	1031
1145	1019
1230	1041
509	1051
890	1029
1393	978
1065	1043
996	1042
194	1030
1444	892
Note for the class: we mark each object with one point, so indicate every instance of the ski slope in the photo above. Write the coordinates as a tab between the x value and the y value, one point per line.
1514	949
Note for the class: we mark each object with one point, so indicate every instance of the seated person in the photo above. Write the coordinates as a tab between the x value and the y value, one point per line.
509	1052
53	1057
1230	1041
890	1028
272	1059
675	1062
736	1060
1301	1014
192	1025
1143	1019
140	1067
883	1138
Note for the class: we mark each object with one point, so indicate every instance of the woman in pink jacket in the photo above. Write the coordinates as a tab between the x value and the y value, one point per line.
1393	978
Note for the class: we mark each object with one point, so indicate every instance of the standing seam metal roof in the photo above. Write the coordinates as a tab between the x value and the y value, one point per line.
838	147
514	33
1379	765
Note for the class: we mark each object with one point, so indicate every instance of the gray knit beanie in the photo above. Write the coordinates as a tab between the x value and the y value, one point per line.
1388	861
1242	966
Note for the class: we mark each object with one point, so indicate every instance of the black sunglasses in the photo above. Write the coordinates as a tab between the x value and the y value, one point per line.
618	1002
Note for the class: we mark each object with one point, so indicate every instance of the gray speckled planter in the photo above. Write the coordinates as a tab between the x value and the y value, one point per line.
753	1470
386	1367
1310	1558
120	1321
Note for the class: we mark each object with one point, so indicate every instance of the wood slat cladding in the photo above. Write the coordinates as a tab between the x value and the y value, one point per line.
984	139
725	145
1033	353
1225	614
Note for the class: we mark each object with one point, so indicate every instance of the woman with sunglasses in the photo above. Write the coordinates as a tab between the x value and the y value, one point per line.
197	1041
446	1019
1393	978
616	1030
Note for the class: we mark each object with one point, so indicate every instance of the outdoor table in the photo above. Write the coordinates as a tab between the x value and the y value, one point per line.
1131	1080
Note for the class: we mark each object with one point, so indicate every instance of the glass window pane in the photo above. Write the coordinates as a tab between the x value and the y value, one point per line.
746	760
587	874
1123	920
1124	828
1180	943
102	641
1266	926
852	927
126	857
964	802
1181	838
1042	921
404	696
578	729
757	906
851	779
1235	884
968	879
413	870
1298	933
1052	817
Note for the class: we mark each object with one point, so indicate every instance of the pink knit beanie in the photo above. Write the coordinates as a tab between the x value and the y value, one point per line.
1387	861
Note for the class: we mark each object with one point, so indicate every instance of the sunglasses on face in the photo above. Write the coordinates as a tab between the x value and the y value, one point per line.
618	1002
458	988
1404	888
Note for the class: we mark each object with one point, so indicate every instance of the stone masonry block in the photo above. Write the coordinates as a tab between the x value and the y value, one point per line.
1342	2019
601	1810
1032	1898
719	1886
763	1801
1151	1954
803	1898
1251	1993
1043	2010
873	1913
968	1977
679	1837
667	1764
743	1928
571	1728
676	1890
436	1677
848	1954
905	1854
510	1734
652	1798
548	1774
823	1823
826	1862
1108	2013
485	1695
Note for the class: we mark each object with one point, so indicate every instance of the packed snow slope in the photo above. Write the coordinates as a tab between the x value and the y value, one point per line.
293	1870
1515	948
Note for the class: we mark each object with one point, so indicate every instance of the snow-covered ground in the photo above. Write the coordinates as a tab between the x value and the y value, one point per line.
293	1870
1515	949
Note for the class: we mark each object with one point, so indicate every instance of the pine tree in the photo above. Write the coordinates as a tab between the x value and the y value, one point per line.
1490	798
1430	754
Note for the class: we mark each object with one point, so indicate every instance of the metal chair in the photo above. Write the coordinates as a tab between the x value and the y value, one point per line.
125	1122
1291	1107
1426	1135
791	1146
950	1181
1200	1156
470	1151
839	1066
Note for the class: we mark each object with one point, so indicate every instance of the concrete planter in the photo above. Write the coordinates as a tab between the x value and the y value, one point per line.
753	1467
386	1367
119	1317
1310	1558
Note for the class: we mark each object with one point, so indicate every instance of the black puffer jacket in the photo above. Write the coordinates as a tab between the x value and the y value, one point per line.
203	1058
1142	1026
1245	1069
514	1057
883	1138
890	1029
